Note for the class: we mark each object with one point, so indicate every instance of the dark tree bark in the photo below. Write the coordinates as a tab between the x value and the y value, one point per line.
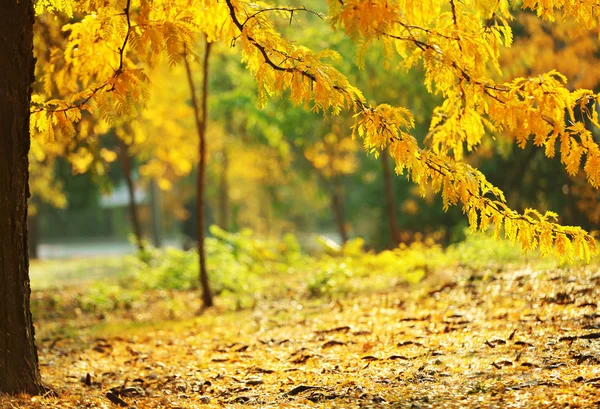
200	113
18	355
127	166
390	200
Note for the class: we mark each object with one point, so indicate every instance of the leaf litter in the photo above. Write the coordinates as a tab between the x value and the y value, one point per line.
519	338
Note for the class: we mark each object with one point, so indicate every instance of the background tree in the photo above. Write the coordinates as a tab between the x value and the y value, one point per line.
44	188
333	158
200	115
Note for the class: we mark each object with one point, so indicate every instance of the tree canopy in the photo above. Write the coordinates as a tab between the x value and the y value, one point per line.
100	56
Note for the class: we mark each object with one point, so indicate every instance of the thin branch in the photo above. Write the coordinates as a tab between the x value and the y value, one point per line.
455	20
291	10
125	40
76	105
117	72
429	31
200	106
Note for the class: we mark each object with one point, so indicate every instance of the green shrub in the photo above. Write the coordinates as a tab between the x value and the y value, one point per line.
236	261
102	296
481	250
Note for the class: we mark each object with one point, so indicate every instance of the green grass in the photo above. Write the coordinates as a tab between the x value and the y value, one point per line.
246	271
58	273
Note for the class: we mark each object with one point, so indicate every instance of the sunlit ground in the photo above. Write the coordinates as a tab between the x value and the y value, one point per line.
329	330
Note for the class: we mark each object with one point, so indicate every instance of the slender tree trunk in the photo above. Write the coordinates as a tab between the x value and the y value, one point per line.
569	213
126	165
155	201
19	370
337	206
337	197
266	208
224	193
514	176
200	112
389	198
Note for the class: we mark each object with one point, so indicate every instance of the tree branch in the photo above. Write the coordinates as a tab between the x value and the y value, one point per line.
125	40
291	10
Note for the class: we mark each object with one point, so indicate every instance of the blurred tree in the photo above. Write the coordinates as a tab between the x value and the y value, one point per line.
43	188
127	166
333	158
409	91
390	199
200	115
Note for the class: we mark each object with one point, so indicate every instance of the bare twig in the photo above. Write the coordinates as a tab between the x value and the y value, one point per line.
125	40
291	10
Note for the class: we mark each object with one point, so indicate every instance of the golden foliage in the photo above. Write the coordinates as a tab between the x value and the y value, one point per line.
334	156
458	44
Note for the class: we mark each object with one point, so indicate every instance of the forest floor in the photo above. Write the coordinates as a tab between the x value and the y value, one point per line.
509	337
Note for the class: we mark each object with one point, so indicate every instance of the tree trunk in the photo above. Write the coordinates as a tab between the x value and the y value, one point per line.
389	198
19	370
337	197
224	193
126	164
200	111
156	214
337	206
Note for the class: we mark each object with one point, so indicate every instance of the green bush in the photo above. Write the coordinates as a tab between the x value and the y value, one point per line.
243	267
481	250
106	297
236	261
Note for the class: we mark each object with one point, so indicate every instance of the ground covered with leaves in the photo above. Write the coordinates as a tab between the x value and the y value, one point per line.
504	335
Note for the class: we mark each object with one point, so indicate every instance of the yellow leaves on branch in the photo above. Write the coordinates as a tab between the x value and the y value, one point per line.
461	184
584	12
55	122
382	125
279	65
457	47
450	38
364	18
106	50
458	44
536	108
